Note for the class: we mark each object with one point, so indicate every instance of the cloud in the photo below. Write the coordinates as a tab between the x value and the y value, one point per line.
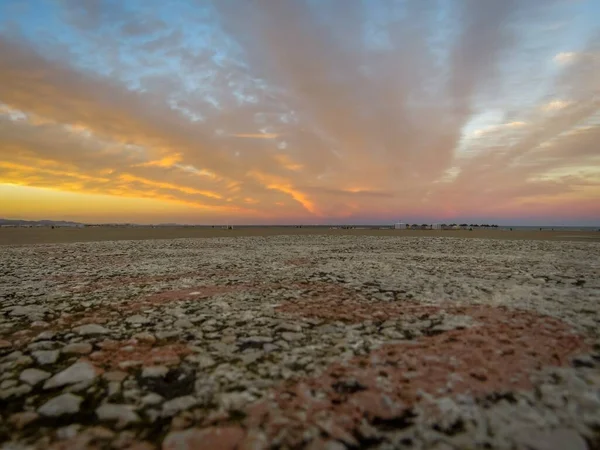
257	135
293	107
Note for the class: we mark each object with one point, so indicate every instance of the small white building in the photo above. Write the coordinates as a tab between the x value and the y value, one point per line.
399	226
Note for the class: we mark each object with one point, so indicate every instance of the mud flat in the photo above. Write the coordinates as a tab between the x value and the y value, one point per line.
46	235
301	342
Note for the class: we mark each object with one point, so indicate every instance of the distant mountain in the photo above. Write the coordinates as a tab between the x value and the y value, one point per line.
33	223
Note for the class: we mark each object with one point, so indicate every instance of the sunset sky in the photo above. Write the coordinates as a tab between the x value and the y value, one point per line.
300	111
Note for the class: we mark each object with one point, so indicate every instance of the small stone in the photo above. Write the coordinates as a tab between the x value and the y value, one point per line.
172	407
124	365
216	438
290	337
115	375
33	376
7	384
146	338
22	419
123	414
101	433
61	405
91	329
254	340
205	361
42	345
138	319
45	336
558	439
155	372
39	324
68	432
114	387
293	327
183	323
77	373
15	392
4	345
151	399
44	357
19	311
268	348
249	358
79	348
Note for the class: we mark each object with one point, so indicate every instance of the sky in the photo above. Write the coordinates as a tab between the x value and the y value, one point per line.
300	111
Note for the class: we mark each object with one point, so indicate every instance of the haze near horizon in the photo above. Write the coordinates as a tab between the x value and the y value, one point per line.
300	111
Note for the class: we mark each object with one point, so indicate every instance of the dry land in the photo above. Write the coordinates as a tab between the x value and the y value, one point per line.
46	235
344	340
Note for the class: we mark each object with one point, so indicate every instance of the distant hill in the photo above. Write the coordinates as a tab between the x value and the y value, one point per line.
34	223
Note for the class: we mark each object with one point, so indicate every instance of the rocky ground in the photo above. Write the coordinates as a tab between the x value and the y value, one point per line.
300	342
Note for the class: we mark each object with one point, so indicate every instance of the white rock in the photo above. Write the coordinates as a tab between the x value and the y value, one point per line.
138	319
90	329
44	357
154	371
291	336
172	407
77	373
205	361
151	399
557	439
17	391
293	327
183	323
33	376
63	404
123	414
19	311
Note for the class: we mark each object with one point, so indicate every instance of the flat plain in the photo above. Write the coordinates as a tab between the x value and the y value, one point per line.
345	339
46	235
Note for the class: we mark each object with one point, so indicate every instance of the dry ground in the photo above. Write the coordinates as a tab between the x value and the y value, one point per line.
318	342
23	236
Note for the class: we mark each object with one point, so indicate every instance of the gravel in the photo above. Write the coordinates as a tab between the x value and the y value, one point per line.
301	342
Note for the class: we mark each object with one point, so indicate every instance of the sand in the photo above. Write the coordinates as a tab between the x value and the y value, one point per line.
24	236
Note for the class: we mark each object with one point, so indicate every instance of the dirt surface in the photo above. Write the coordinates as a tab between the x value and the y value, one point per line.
318	342
45	235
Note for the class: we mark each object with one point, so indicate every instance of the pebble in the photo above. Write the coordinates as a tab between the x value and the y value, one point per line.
115	375
33	376
557	439
123	414
63	404
44	357
22	419
91	329
151	399
45	336
154	372
79	348
183	323
77	373
138	319
204	361
173	406
146	338
15	392
291	337
5	345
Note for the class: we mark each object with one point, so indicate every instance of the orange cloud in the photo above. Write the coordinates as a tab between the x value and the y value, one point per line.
279	184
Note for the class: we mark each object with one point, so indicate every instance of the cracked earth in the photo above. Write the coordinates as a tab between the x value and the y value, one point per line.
317	342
